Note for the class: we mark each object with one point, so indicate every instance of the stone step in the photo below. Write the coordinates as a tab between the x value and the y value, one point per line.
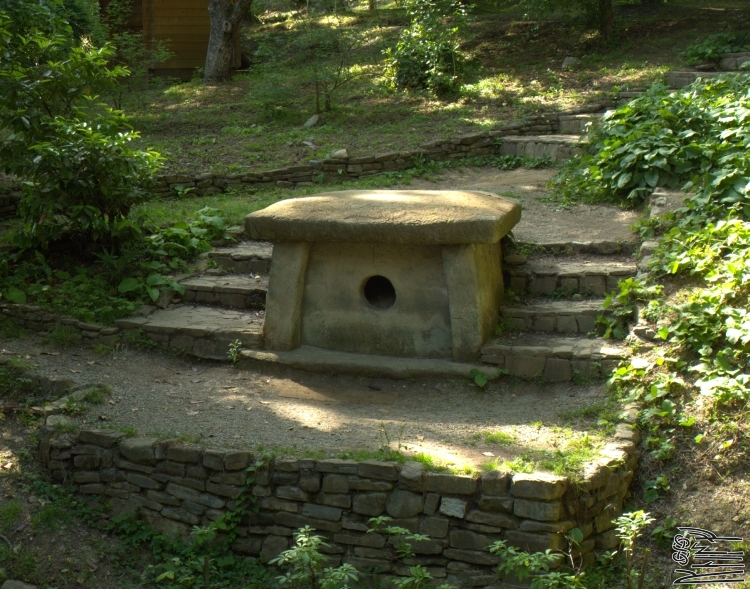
554	358
555	147
626	96
246	257
571	317
578	124
241	291
206	332
543	276
679	79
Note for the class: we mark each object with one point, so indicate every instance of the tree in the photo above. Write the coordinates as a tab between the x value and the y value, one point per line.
226	16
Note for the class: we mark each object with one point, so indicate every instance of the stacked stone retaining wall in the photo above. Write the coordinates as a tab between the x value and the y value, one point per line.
173	487
36	319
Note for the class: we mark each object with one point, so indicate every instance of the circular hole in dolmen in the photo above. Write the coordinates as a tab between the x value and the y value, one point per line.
379	292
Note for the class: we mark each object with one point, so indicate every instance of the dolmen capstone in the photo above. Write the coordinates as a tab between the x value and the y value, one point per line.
408	273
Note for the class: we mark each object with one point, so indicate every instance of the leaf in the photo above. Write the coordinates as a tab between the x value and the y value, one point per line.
153	292
652	177
664	332
15	295
129	285
687	422
479	377
650	496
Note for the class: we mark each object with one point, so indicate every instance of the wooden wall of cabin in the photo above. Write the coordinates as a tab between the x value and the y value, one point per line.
184	26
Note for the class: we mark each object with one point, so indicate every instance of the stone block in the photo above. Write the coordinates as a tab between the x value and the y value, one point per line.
104	438
138	450
402	504
595	285
546	527
448	484
142	481
296	521
567	324
538	485
435	527
237	460
411	476
359	484
86	477
497	520
292	492
569	285
375	469
495	482
274	504
431	503
534	542
309	481
557	370
161	497
335	483
542	285
322	512
87	462
525	366
213	459
538	510
281	478
471	556
372	504
354	539
341	500
495	504
607	540
250	546
181	515
163	525
223	490
272	547
453	507
466	540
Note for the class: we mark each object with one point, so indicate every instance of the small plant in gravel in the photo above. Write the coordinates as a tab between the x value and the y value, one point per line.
235	352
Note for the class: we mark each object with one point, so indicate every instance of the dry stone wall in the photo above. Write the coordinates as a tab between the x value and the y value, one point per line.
175	486
36	319
515	139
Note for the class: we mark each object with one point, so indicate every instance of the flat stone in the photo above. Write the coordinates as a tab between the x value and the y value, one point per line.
402	504
495	482
139	450
449	484
453	507
466	540
388	216
372	504
538	486
537	510
497	520
105	438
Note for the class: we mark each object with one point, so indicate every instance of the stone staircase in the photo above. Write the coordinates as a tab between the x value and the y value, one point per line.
561	294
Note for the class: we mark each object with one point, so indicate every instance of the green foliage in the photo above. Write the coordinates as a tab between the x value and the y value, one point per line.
629	527
591	9
428	53
235	350
663	139
82	178
9	513
524	565
623	306
304	565
713	47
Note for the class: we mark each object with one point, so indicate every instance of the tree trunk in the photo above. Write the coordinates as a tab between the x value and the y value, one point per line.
607	20
226	16
371	4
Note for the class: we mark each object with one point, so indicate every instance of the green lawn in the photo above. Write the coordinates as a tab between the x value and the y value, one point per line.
255	122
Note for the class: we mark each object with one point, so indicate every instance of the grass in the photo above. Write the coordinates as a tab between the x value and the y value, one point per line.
255	121
499	438
9	514
63	336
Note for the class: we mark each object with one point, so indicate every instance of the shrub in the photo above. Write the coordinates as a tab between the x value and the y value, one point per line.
662	139
713	47
428	54
82	178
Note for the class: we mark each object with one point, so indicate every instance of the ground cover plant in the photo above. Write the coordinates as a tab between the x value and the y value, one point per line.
694	390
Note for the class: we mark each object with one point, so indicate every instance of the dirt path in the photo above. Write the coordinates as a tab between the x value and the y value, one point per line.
161	394
541	222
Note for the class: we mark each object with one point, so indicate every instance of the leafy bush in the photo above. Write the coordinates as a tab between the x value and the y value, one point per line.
661	139
82	178
713	47
428	53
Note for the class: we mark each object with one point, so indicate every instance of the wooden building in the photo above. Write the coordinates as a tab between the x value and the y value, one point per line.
183	26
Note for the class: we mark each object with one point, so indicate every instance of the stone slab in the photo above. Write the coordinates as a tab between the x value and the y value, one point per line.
327	361
388	216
